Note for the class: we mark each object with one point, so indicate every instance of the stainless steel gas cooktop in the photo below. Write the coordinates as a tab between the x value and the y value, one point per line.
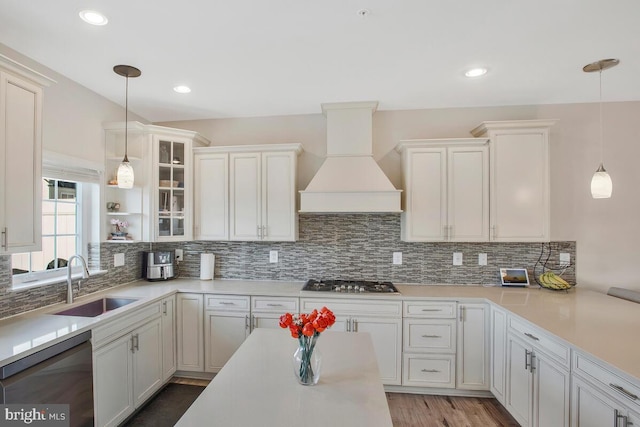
349	286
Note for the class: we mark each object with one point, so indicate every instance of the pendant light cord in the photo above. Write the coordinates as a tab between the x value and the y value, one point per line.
126	120
601	132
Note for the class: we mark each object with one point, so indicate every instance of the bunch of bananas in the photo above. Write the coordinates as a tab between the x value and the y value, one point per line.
551	280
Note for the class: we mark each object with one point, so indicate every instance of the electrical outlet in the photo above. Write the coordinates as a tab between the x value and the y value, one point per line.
273	256
457	258
482	259
565	259
179	255
397	258
118	260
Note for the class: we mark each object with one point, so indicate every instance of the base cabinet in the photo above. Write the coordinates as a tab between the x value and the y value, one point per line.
381	319
472	353
538	387
498	348
169	362
190	336
224	333
127	371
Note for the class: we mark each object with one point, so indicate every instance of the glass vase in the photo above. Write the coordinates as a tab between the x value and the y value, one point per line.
307	361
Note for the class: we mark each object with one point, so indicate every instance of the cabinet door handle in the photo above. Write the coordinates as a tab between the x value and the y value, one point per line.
164	308
462	314
246	322
527	360
348	325
274	305
259	231
264	231
430	370
533	337
5	240
355	325
432	336
133	348
617	415
253	322
532	367
623	391
137	341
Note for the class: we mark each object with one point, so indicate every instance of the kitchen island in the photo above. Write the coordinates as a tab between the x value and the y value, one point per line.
257	386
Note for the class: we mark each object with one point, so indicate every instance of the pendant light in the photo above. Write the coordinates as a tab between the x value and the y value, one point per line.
601	184
125	170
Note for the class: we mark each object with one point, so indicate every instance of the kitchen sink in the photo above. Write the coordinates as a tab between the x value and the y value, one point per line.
97	307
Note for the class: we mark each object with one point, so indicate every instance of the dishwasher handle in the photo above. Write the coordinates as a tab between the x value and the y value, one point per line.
27	362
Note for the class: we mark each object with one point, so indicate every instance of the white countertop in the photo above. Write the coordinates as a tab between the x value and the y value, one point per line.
603	326
257	386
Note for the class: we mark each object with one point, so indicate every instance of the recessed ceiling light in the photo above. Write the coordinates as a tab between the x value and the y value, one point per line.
94	18
182	89
363	13
476	72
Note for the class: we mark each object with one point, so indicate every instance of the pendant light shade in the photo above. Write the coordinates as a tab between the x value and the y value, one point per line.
601	184
125	170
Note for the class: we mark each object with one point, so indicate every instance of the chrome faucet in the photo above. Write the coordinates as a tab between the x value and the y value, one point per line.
85	275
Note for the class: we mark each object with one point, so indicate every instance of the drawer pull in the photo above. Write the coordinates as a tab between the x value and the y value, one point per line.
274	305
430	370
623	391
432	336
227	303
431	309
533	337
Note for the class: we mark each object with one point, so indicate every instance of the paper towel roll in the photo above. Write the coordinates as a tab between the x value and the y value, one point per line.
207	263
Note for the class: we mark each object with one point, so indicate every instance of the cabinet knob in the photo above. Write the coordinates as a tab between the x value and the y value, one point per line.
5	239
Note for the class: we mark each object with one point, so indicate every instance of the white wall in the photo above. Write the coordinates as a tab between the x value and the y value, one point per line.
73	114
607	231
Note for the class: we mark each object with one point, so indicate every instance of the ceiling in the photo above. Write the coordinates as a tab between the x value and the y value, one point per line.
261	58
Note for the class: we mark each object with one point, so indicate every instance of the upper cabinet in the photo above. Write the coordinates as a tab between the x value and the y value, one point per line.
21	157
246	193
446	184
519	176
159	206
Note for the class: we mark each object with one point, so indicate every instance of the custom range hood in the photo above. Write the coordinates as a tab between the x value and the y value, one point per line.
350	180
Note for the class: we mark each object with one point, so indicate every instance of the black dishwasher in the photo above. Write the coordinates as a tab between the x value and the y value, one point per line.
60	374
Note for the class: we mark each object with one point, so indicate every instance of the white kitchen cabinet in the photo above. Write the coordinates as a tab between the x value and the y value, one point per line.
211	196
537	392
127	369
160	205
519	179
498	350
472	353
263	195
266	311
169	363
446	183
190	335
20	157
601	396
227	325
429	344
381	319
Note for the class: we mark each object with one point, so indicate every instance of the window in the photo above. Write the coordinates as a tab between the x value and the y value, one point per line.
61	230
70	221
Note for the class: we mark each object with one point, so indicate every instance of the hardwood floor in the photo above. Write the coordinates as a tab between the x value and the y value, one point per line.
417	410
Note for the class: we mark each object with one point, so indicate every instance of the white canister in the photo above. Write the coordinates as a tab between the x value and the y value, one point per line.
207	264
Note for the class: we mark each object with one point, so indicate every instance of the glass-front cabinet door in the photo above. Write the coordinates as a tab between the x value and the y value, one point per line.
172	187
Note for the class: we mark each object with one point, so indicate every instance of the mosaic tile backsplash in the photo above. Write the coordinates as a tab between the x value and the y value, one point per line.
354	246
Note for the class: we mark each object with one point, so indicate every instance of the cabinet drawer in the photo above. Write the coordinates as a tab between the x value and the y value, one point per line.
274	305
614	384
125	324
429	370
436	310
429	336
226	303
540	340
348	306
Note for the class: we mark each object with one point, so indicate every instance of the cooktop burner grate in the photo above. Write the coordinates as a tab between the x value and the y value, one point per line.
352	286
